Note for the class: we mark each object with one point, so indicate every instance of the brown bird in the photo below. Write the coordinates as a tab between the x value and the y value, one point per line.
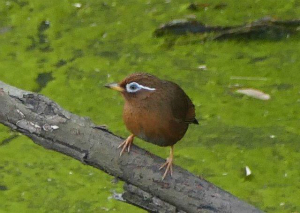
156	111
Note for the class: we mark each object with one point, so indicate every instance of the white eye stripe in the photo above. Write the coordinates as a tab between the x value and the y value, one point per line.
147	88
134	87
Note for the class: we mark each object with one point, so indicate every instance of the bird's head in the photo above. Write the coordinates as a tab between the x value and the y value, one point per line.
136	86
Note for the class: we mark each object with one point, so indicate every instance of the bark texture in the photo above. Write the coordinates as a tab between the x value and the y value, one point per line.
52	127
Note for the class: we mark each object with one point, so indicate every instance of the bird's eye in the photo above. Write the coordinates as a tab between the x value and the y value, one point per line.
133	87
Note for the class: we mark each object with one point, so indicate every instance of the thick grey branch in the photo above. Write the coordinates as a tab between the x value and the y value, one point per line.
52	127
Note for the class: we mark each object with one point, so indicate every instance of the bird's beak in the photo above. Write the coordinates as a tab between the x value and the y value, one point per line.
114	86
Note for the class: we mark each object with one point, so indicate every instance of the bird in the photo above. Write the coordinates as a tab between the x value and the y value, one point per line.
156	111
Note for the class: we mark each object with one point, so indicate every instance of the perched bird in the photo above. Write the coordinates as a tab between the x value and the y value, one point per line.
155	110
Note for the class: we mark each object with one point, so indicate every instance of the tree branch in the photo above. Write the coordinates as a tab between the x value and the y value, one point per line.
52	127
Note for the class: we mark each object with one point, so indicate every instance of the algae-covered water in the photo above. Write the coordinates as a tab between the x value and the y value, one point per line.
67	50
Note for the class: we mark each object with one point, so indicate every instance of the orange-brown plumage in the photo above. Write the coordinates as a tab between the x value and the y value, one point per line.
159	111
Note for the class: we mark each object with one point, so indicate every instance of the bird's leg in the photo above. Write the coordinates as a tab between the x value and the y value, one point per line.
126	144
168	164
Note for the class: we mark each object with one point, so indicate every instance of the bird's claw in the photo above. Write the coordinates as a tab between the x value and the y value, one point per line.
169	168
126	144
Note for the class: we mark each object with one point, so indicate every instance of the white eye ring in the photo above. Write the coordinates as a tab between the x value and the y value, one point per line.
134	87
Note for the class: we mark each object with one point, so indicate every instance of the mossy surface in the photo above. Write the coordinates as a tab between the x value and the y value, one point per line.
68	51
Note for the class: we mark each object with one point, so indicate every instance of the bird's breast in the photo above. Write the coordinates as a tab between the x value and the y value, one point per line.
153	124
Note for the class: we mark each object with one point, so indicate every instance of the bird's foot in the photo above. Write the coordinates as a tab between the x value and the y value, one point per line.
168	165
126	144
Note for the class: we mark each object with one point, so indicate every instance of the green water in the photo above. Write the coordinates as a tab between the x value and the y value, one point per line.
69	53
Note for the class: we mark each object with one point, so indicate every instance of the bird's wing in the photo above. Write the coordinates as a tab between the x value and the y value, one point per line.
183	109
191	114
